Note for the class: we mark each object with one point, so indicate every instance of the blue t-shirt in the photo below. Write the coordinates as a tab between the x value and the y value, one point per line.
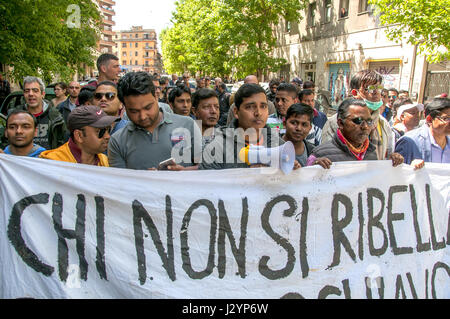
35	151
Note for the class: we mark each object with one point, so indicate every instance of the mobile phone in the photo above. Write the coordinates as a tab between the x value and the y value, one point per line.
163	165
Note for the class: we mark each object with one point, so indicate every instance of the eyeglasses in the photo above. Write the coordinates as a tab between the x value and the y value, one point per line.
109	96
101	133
392	96
443	118
373	88
360	121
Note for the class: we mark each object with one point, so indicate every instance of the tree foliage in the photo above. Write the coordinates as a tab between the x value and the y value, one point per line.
218	36
48	38
424	23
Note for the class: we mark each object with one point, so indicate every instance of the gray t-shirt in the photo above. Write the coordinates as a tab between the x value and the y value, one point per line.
136	148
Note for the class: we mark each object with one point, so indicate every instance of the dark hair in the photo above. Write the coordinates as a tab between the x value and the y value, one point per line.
19	111
365	77
135	83
392	89
178	91
86	95
309	85
300	109
287	87
400	102
107	83
274	82
303	93
342	111
436	106
223	86
104	59
245	91
403	91
63	85
202	94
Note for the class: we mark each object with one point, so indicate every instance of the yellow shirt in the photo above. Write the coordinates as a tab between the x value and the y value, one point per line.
64	154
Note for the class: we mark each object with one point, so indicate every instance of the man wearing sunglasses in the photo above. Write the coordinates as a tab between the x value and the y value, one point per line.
430	142
89	128
106	98
366	85
351	140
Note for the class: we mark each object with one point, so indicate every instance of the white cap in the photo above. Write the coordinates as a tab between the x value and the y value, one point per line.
405	107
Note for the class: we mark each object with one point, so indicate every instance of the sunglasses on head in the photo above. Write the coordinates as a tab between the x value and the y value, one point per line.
360	121
109	96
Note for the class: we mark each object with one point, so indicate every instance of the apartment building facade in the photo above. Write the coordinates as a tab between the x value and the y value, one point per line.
137	50
337	38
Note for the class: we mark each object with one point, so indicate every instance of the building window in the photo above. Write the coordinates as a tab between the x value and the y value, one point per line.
364	6
343	9
288	26
328	8
312	14
135	62
146	63
124	54
136	45
131	45
136	35
135	53
124	45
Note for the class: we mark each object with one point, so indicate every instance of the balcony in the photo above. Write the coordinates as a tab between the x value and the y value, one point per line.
110	2
108	32
107	43
108	12
108	22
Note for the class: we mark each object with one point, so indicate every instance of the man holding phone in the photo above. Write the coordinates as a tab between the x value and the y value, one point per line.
153	135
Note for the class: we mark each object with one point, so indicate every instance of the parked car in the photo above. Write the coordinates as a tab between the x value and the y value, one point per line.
16	98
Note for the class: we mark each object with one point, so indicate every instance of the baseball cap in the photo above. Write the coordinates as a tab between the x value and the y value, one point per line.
89	115
406	107
297	80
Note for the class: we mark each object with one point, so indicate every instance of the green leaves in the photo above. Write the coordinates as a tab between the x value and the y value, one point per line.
35	38
424	23
224	36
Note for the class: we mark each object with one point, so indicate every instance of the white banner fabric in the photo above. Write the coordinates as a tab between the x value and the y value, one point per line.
357	230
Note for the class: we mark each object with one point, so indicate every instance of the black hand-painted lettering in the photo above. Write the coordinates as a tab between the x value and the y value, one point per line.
411	285
375	221
433	276
15	235
361	227
225	229
399	288
63	234
292	295
380	284
421	246
140	214
283	242
435	244
303	229
212	240
338	226
391	217
329	290
100	259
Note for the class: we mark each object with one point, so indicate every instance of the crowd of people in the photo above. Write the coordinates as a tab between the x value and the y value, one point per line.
142	121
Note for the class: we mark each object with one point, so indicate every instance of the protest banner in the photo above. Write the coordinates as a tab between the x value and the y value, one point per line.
357	230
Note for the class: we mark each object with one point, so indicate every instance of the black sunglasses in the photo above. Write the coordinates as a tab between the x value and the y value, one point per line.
102	131
360	121
109	96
